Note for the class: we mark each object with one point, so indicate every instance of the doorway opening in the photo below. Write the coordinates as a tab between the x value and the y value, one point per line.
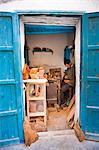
46	42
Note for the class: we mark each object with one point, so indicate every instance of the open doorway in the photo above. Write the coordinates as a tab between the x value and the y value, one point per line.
48	51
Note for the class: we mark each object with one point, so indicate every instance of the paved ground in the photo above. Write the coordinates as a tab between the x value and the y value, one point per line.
54	119
57	140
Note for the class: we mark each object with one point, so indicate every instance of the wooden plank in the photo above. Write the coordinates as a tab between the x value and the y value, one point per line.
79	133
71	114
35	114
71	125
35	81
36	98
45	113
51	99
70	105
27	99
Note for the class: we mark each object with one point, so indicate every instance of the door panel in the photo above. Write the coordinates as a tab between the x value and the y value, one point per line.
11	127
93	94
90	76
6	32
92	125
6	65
93	30
11	130
8	98
93	66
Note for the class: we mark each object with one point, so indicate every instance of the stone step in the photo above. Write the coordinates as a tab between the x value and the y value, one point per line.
56	133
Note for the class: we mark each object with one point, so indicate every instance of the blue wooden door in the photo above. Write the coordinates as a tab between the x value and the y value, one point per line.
90	76
10	86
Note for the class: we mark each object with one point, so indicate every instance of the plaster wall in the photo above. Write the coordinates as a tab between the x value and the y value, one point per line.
22	38
56	42
77	68
50	5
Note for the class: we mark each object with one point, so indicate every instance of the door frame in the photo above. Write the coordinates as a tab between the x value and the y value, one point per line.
57	13
66	14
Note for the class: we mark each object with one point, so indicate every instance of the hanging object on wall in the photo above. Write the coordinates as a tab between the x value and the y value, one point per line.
68	52
36	49
44	49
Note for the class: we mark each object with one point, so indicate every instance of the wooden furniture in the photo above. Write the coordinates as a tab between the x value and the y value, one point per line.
53	88
36	98
53	91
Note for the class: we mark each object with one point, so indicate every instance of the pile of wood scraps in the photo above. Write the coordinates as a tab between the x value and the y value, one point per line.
70	112
38	126
33	73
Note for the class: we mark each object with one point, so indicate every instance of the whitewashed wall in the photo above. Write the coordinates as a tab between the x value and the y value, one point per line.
77	68
57	42
62	5
22	41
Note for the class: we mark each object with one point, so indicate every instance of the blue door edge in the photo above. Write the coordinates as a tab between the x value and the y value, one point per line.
50	12
91	136
19	76
82	75
21	109
6	143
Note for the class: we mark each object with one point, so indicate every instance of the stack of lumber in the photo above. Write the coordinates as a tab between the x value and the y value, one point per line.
70	120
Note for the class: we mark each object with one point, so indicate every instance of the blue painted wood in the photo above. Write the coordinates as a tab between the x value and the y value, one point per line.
11	81
53	12
10	102
11	128
5	59
46	29
90	76
6	34
8	113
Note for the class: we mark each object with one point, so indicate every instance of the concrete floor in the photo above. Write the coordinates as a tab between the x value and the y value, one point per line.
57	140
56	119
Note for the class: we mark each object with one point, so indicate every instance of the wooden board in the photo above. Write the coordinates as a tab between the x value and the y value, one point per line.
79	132
71	113
70	105
71	125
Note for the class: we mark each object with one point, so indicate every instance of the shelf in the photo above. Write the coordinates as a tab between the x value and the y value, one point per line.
36	98
52	99
35	114
34	81
37	51
32	98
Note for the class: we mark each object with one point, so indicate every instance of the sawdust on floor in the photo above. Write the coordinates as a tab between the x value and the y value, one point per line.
56	119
